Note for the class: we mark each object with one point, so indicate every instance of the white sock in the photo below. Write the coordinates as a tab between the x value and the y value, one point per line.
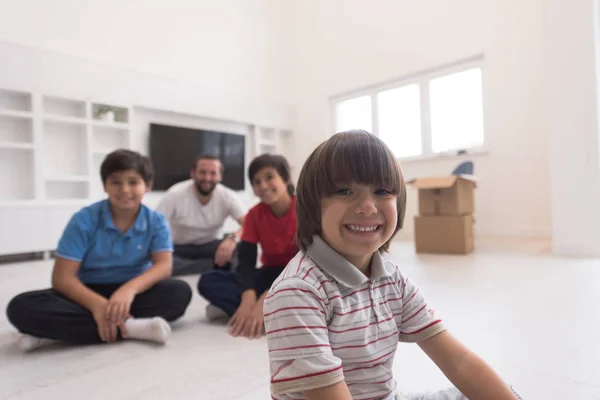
214	313
29	343
152	329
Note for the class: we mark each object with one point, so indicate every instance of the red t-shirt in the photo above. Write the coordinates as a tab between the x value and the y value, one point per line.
276	235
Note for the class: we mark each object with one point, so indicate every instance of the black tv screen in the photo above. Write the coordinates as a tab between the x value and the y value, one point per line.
173	150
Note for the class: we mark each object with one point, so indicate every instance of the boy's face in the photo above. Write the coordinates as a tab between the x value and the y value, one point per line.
269	186
125	189
357	220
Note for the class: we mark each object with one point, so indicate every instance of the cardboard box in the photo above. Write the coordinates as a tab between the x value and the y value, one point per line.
446	195
444	234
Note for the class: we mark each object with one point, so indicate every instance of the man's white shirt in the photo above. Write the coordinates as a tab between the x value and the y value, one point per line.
194	223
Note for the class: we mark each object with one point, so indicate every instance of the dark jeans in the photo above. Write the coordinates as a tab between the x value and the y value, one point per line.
197	258
48	314
220	288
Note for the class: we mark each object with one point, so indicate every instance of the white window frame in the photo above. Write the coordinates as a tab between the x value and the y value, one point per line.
422	79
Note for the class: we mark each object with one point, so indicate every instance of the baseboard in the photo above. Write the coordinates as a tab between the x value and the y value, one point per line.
21	257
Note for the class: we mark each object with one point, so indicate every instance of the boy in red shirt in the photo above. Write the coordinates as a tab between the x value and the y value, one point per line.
272	225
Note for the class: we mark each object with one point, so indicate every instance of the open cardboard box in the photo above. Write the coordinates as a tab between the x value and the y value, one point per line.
445	221
446	195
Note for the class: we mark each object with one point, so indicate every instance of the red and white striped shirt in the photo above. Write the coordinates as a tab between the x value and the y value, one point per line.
327	322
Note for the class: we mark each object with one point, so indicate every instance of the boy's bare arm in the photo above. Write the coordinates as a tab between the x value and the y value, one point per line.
66	282
162	268
339	391
119	305
469	373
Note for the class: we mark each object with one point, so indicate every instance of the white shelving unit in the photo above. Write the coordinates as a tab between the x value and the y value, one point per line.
17	180
51	147
274	141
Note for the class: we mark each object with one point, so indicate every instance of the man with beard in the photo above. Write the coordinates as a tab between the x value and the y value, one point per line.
196	210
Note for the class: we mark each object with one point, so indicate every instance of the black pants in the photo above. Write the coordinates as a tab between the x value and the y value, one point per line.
197	258
48	314
220	288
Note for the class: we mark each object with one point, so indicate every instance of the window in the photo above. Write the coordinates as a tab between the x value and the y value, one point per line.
456	111
399	114
432	113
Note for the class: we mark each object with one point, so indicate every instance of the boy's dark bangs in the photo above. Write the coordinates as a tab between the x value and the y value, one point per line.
358	158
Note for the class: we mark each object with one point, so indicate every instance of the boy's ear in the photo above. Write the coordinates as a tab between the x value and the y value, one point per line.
149	187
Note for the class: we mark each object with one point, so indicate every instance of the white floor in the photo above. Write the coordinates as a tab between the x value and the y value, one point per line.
535	318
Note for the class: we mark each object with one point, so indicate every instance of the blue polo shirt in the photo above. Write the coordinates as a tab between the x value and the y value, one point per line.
106	254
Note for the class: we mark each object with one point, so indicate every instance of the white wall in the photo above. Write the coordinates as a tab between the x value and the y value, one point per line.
341	45
221	44
571	39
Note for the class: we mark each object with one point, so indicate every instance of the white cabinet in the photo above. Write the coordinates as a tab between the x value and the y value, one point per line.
51	147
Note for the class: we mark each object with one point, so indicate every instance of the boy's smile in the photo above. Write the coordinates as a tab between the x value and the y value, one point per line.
125	190
363	228
268	185
357	220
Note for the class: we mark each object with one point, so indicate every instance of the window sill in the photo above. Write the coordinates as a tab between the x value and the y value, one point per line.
453	155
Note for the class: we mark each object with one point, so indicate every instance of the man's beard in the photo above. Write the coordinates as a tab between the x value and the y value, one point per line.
202	191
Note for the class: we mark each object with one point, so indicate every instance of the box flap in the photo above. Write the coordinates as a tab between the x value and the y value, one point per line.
440	182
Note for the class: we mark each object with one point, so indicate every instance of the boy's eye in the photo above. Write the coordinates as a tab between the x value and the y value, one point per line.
343	191
383	192
133	182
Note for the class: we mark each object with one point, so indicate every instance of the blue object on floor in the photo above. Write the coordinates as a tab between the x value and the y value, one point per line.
465	168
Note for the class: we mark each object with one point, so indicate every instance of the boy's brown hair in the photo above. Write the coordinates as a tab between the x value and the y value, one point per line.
279	163
123	160
347	157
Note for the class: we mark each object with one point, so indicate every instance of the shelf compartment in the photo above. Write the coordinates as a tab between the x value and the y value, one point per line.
61	107
286	142
267	147
15	101
16	146
16	130
121	114
64	148
16	114
113	125
16	174
56	190
65	120
67	178
267	134
106	139
96	185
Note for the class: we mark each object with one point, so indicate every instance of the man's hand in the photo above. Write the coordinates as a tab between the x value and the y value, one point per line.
119	305
224	252
107	330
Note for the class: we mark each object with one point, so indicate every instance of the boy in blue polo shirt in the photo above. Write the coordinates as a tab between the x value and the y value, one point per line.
111	277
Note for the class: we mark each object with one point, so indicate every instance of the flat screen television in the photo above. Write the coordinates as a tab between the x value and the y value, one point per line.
173	150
